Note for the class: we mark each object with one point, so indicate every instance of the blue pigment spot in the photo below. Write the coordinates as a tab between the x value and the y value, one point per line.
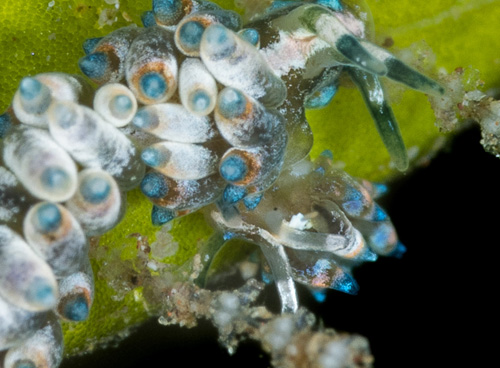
190	35
30	88
120	105
64	115
90	43
148	19
153	185
353	208
161	215
41	292
143	119
252	201
233	193
54	178
218	41
233	168
24	363
251	35
335	5
153	85
200	100
379	214
232	103
76	309
319	295
152	157
95	189
346	284
327	153
399	251
228	235
94	65
321	98
48	218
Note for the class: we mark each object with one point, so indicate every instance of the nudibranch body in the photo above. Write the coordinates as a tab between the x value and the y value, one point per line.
216	112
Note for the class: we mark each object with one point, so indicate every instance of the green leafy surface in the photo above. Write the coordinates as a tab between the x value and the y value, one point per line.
41	36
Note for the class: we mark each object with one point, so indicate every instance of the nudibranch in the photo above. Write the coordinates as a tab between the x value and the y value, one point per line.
199	111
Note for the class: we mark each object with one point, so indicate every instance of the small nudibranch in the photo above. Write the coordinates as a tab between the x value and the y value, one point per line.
40	164
151	66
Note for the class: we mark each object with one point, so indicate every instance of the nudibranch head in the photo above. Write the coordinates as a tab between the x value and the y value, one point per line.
197	111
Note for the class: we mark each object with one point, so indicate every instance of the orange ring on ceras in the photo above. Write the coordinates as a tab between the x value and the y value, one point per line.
161	68
253	163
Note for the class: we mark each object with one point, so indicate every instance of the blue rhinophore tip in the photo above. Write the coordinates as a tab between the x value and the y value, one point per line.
320	98
54	178
399	251
346	284
152	157
94	65
166	11
153	185
41	293
95	190
252	201
161	215
251	35
233	193
76	309
232	103
148	19
48	218
5	124
378	213
379	189
319	294
190	35
153	85
24	363
233	168
90	43
199	100
30	88
121	105
228	235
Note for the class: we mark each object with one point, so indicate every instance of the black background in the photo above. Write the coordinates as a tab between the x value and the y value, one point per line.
432	308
